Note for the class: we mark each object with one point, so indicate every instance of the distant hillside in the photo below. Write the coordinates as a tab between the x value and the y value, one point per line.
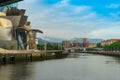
52	39
89	40
44	39
41	41
94	40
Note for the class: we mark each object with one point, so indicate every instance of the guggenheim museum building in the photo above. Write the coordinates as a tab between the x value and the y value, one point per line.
16	33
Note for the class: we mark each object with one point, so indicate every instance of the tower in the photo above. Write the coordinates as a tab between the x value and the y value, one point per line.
85	42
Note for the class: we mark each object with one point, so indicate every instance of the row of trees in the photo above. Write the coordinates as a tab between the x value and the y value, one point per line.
50	46
112	47
59	46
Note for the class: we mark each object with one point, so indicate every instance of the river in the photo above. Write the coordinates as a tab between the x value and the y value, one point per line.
80	67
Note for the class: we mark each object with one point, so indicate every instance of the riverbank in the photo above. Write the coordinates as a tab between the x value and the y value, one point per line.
107	53
18	59
13	56
84	67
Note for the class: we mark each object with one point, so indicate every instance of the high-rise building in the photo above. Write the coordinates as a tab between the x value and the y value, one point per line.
109	42
67	44
75	43
15	31
85	42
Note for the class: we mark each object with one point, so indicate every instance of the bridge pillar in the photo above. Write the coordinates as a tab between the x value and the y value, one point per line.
12	59
4	59
31	57
26	57
41	57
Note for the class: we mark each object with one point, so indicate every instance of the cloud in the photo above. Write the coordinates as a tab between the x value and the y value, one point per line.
112	32
44	38
30	1
113	6
64	6
115	15
64	34
64	20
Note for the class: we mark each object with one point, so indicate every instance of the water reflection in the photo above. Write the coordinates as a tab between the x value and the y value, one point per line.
73	55
5	72
117	59
16	71
75	67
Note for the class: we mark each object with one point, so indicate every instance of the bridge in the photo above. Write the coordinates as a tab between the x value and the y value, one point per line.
78	49
108	53
99	51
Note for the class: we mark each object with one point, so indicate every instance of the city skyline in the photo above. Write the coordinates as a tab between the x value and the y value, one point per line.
72	18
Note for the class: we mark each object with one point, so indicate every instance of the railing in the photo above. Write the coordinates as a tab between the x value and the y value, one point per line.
112	53
5	52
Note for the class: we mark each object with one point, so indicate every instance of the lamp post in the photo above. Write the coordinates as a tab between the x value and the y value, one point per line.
45	46
58	45
61	46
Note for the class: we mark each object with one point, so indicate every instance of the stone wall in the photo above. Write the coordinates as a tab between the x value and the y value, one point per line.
11	45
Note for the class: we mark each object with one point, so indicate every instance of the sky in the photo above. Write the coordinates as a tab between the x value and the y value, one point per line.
74	18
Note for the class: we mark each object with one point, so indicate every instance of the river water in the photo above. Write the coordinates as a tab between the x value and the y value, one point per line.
76	67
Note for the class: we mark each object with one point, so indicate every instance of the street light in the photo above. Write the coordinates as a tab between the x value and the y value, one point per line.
45	46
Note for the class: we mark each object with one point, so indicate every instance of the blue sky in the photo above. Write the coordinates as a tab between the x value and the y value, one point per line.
75	18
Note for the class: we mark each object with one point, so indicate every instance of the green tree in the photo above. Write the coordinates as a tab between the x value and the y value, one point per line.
113	47
51	46
40	47
99	45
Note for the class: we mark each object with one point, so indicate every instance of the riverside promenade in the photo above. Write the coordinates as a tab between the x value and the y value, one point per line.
12	56
109	53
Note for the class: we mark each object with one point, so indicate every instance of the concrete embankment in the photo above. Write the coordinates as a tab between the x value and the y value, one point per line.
108	53
15	56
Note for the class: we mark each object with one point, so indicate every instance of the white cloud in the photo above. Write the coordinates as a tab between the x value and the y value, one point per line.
62	3
63	20
65	7
113	6
44	38
65	34
115	15
30	1
112	32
